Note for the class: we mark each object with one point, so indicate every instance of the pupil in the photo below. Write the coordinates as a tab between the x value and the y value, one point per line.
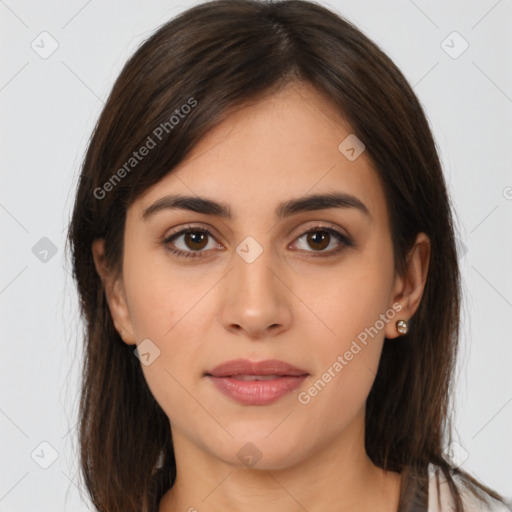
319	239
196	237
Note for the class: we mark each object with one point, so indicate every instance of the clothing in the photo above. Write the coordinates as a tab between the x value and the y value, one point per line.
471	503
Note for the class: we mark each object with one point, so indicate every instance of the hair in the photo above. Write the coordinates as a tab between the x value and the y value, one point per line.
215	58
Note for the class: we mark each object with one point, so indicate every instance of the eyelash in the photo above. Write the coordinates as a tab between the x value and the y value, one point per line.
346	242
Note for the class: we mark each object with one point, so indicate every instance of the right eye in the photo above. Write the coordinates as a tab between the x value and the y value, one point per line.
194	240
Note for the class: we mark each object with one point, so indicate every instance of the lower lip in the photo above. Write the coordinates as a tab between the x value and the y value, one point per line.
257	392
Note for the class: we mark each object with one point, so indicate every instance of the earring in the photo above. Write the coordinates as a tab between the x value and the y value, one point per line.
402	327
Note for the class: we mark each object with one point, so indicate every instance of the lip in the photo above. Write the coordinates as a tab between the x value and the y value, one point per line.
246	367
226	378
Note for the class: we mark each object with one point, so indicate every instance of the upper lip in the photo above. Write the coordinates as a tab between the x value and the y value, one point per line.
246	367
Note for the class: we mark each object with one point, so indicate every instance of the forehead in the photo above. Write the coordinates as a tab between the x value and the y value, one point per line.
287	145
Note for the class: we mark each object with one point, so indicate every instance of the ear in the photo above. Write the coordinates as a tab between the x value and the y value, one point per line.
114	292
408	289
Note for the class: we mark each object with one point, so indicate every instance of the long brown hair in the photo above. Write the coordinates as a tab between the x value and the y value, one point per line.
216	57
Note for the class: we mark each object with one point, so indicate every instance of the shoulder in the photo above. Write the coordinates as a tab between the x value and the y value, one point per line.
441	500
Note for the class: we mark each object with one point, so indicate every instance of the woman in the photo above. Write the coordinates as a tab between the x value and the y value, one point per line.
264	250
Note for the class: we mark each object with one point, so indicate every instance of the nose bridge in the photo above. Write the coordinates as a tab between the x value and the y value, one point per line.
255	299
254	280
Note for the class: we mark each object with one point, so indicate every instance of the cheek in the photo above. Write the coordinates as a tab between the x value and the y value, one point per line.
161	297
166	308
350	298
169	306
352	302
346	359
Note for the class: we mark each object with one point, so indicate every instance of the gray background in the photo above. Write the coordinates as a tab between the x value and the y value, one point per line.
48	108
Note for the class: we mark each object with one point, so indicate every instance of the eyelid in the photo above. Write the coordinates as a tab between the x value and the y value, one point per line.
191	227
345	239
314	224
167	238
322	225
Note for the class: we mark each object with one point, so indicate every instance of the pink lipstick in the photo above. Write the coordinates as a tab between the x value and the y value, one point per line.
256	382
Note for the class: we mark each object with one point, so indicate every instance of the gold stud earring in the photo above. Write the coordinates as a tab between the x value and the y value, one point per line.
402	327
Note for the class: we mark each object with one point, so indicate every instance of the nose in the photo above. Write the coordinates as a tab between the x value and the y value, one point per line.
256	298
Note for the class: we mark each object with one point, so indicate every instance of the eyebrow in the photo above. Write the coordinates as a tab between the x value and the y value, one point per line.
285	209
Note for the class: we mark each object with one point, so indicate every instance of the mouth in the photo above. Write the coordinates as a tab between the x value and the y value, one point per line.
256	383
254	377
258	369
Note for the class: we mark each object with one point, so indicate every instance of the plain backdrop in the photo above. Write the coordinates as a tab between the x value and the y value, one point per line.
59	62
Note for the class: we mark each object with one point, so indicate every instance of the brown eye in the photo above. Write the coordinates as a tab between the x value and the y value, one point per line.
190	242
195	240
318	239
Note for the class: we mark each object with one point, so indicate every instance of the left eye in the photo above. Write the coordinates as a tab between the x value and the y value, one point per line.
195	241
320	238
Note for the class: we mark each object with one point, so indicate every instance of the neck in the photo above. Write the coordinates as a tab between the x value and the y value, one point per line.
336	476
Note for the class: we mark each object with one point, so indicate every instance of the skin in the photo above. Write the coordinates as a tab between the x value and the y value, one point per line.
292	303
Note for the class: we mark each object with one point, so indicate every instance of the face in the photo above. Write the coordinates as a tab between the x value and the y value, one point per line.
312	285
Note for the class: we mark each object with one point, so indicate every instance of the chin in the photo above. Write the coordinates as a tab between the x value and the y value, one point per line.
261	451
